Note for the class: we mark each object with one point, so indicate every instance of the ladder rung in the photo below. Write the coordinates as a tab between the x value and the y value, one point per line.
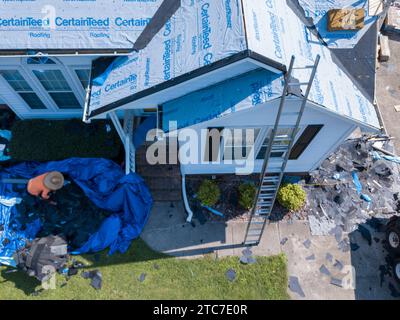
268	196
279	149
271	178
303	68
298	84
263	211
257	222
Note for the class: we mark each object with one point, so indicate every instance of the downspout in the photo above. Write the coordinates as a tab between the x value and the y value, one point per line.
185	199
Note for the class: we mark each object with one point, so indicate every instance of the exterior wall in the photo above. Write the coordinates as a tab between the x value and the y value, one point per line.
67	65
336	129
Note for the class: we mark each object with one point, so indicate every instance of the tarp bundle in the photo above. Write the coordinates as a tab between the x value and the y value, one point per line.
103	182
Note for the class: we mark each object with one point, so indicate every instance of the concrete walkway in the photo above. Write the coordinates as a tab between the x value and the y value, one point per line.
313	260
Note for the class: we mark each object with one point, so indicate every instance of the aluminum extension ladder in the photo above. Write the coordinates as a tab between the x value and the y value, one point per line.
271	177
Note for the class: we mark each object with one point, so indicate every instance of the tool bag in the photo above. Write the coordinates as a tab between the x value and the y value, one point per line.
43	257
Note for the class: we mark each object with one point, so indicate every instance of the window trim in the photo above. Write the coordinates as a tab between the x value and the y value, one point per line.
304	145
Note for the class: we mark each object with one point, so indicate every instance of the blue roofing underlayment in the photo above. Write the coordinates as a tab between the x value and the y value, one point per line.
249	90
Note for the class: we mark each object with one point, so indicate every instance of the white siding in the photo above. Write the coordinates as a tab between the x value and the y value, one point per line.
336	129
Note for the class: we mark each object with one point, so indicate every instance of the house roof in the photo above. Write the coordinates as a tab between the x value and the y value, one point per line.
62	26
335	87
317	14
274	30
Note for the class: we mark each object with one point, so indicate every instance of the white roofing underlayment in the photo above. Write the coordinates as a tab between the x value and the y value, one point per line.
200	34
273	30
83	24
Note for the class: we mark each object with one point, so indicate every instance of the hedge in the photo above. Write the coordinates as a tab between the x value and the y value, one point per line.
50	140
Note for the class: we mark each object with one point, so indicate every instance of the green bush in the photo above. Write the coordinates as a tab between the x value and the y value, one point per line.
209	193
43	140
247	193
292	197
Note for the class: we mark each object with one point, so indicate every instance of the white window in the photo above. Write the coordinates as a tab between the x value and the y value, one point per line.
230	144
21	86
54	82
283	135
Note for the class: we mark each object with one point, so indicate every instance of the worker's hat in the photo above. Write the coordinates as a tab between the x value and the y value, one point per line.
54	180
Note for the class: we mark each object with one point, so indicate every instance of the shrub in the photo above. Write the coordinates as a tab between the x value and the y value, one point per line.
247	193
208	193
292	197
44	140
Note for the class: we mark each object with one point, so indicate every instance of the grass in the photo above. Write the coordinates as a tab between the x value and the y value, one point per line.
166	278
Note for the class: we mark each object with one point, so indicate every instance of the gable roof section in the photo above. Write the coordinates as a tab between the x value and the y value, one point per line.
201	34
332	88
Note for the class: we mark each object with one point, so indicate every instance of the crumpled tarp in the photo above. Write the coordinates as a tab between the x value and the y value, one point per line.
103	182
4	135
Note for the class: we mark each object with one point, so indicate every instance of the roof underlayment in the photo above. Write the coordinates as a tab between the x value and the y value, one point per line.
317	10
288	36
67	25
274	30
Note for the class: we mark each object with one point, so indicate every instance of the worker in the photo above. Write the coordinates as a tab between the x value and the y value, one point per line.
44	184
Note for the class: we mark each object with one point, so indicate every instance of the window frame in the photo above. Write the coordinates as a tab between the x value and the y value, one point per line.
267	133
20	92
68	74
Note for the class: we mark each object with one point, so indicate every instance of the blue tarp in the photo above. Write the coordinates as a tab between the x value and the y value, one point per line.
102	181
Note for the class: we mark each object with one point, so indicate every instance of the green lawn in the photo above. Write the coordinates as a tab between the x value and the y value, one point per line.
166	278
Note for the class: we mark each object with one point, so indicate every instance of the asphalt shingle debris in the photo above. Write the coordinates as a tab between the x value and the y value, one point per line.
337	282
344	245
142	277
96	278
307	244
339	265
294	286
231	275
324	270
311	258
352	186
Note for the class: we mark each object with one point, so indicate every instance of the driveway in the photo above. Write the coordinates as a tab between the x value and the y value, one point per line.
318	267
388	89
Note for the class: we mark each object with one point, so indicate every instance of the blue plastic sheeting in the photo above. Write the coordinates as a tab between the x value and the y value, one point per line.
139	136
238	94
103	181
6	134
318	10
358	185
